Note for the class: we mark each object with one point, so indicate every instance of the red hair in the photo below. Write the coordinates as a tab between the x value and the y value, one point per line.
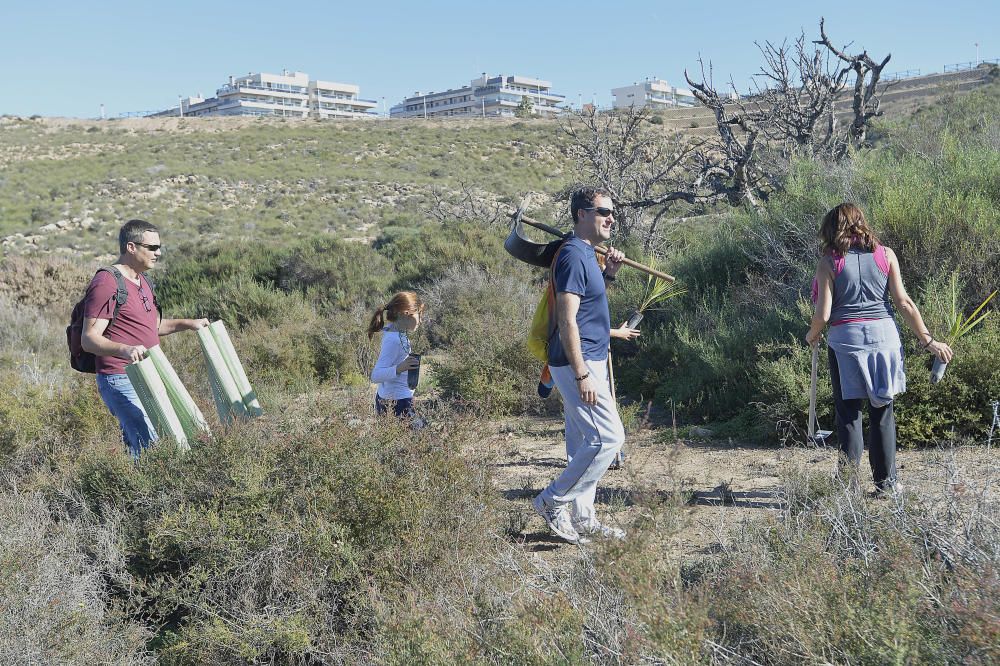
404	302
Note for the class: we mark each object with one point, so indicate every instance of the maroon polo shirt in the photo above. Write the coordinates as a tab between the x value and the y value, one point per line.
134	325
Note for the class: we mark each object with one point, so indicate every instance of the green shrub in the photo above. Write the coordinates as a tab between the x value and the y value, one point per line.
480	319
266	541
41	420
841	578
423	254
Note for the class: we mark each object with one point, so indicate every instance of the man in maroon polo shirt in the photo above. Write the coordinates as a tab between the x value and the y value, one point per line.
137	328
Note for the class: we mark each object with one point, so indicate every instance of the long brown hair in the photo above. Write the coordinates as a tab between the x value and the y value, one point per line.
845	227
402	303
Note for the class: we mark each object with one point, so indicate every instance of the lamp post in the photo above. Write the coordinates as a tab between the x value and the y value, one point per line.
425	107
977	54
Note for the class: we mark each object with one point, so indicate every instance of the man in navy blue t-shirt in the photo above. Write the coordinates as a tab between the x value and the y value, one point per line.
578	353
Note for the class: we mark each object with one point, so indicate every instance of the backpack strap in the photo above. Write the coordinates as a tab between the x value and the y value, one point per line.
553	323
120	296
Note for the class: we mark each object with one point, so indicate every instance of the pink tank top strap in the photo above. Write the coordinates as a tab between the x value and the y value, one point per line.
881	260
838	263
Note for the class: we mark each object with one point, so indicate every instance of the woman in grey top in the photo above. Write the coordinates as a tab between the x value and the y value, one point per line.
854	281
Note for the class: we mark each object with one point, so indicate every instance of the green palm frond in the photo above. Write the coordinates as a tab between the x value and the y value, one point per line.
658	290
957	327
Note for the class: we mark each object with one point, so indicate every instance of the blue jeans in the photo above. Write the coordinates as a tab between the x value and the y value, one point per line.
119	395
402	408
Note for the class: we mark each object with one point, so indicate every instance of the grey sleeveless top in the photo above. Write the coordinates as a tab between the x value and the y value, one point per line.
860	287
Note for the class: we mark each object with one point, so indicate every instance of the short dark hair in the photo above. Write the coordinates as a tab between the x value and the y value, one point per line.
584	198
132	231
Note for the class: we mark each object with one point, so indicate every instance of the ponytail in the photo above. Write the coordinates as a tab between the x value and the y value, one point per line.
377	322
404	301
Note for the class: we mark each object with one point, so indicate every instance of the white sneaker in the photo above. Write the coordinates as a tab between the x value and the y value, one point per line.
558	520
593	528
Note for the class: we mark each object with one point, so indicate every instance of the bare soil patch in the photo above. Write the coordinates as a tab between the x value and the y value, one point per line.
723	485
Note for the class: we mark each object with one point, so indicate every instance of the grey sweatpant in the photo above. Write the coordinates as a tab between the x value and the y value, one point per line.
594	434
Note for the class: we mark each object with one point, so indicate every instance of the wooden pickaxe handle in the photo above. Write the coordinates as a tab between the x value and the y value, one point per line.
598	248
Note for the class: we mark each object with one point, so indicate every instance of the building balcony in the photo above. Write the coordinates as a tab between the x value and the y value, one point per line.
675	100
337	99
240	87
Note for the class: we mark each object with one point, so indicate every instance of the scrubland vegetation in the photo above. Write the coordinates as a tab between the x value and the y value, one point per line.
318	535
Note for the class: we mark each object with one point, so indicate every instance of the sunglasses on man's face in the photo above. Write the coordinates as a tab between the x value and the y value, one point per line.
602	211
151	248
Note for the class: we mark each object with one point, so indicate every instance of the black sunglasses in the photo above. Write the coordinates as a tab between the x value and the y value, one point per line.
602	211
151	248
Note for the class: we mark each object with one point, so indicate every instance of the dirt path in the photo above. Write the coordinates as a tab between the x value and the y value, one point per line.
721	485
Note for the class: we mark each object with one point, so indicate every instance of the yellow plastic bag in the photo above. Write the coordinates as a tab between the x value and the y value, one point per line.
538	334
542	326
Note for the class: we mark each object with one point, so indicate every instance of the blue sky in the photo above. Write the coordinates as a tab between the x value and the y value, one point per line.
64	58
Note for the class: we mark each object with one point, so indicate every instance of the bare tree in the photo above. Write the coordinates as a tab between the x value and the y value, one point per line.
646	170
799	94
867	96
731	161
467	205
791	108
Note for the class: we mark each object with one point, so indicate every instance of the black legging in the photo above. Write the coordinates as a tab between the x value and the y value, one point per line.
881	431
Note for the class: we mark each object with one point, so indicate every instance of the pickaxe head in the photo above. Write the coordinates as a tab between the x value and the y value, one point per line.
520	247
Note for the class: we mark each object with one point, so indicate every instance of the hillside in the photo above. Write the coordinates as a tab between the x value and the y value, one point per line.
67	184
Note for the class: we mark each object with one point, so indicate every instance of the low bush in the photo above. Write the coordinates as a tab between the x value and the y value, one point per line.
479	320
279	539
55	606
423	254
842	578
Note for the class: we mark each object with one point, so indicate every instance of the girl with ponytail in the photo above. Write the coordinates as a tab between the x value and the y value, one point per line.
396	320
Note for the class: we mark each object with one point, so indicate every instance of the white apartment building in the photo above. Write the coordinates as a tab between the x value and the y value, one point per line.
289	94
486	96
652	93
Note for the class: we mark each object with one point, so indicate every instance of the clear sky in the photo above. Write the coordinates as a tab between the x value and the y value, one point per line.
67	57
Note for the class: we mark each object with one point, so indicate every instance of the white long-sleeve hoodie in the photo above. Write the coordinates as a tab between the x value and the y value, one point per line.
395	348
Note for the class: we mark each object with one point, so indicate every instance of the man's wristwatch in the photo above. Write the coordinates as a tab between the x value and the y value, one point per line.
583	376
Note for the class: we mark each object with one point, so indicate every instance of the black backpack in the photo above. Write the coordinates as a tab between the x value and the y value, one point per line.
84	361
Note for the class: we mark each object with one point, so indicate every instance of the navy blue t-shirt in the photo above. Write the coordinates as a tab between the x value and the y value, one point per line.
577	272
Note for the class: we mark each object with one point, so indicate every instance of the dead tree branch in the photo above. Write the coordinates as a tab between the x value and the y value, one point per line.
867	97
467	205
790	110
645	170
